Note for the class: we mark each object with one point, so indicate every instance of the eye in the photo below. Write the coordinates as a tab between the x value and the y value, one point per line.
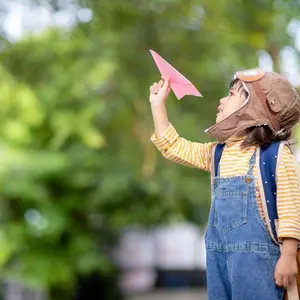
230	93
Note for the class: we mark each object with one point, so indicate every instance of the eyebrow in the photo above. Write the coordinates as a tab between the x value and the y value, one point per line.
233	85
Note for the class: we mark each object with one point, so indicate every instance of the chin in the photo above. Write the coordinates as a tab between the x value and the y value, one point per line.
219	118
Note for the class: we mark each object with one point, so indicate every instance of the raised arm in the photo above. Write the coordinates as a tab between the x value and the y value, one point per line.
167	140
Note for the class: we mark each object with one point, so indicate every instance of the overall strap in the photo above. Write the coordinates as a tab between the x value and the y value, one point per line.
252	163
217	157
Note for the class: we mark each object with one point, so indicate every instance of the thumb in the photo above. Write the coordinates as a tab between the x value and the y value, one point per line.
166	84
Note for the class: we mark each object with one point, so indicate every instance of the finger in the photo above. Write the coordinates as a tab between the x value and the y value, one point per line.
279	280
153	91
166	84
291	280
158	88
286	281
155	87
161	83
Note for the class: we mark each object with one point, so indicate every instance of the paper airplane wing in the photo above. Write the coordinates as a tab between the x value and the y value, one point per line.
180	85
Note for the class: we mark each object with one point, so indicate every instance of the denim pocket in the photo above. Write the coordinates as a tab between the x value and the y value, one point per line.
230	210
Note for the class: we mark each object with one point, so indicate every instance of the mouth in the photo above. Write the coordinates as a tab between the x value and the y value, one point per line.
220	109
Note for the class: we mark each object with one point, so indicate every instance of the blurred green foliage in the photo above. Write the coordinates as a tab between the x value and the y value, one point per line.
77	164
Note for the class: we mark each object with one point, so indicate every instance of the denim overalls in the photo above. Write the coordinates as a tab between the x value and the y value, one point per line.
240	254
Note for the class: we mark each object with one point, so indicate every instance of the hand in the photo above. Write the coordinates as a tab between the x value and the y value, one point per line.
285	271
159	92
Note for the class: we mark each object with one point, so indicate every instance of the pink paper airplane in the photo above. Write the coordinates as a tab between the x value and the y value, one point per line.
178	83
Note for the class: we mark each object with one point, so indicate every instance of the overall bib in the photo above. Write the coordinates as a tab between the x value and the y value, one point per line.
240	254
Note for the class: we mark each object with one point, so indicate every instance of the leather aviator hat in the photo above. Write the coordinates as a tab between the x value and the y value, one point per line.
271	101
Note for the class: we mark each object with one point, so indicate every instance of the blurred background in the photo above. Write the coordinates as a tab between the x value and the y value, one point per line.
89	209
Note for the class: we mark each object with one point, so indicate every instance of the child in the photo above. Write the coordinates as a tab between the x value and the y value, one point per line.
243	263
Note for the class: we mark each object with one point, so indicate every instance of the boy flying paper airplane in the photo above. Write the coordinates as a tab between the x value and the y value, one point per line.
251	252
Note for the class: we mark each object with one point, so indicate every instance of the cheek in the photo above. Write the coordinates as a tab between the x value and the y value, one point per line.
228	110
232	106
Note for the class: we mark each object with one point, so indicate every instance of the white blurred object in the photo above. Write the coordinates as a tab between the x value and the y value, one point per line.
201	253
297	153
136	249
15	291
137	281
179	247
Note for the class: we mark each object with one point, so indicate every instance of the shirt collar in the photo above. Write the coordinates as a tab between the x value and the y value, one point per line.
234	140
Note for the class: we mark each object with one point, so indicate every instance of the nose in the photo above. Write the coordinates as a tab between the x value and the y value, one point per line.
223	100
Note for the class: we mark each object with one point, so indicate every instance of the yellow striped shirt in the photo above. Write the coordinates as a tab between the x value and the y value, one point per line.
235	162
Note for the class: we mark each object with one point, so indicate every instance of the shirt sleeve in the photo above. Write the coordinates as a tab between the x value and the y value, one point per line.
182	151
288	196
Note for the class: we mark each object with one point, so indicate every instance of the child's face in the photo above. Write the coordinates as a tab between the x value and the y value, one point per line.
231	103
